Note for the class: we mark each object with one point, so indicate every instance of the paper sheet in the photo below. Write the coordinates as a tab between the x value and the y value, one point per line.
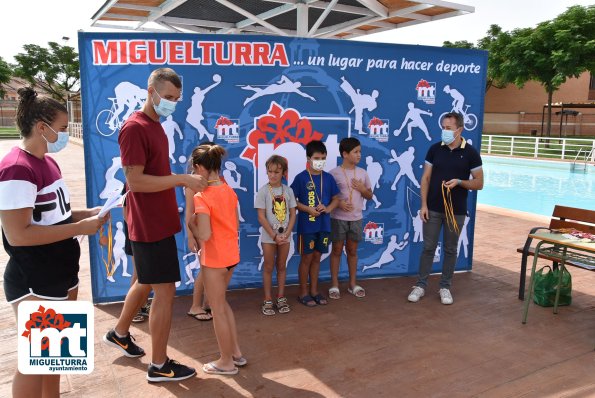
114	200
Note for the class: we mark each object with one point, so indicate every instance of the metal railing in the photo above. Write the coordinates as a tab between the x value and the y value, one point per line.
586	155
537	147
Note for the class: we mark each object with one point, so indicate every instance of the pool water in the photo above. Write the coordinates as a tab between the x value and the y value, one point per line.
535	186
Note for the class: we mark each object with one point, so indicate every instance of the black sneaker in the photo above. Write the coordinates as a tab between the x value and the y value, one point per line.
125	344
171	371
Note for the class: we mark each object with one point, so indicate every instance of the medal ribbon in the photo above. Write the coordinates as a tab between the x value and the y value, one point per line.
449	210
315	192
109	263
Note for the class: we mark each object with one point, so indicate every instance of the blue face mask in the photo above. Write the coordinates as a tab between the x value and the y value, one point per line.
448	136
59	144
165	107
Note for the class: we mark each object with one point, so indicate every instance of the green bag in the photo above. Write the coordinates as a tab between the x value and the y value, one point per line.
546	283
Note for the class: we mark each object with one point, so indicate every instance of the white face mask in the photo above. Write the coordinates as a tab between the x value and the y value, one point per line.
318	165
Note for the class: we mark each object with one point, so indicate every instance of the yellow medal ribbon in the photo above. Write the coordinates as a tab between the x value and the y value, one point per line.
109	263
315	192
449	210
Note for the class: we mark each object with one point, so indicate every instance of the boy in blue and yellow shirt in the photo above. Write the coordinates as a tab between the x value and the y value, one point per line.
317	194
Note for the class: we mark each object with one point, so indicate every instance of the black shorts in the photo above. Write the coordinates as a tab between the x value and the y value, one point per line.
17	289
127	245
156	262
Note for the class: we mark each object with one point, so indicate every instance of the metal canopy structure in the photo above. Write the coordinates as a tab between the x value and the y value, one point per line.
336	19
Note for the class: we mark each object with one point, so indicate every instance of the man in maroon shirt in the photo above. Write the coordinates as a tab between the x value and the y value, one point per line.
153	221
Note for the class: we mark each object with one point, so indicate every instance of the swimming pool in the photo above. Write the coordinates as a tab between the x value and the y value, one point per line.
535	186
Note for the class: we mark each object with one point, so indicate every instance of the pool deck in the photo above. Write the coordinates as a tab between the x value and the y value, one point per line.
379	346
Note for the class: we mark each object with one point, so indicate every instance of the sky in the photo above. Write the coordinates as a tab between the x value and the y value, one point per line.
40	21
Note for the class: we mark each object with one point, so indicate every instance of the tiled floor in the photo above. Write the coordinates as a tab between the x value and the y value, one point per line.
379	346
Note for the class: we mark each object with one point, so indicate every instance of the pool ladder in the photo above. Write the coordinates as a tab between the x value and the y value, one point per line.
583	162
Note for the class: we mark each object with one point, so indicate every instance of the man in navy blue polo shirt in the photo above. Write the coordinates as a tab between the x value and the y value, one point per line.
448	163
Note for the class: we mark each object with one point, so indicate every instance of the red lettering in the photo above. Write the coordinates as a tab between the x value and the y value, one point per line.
105	52
242	54
176	52
261	53
138	52
154	57
206	48
123	52
188	56
220	54
279	55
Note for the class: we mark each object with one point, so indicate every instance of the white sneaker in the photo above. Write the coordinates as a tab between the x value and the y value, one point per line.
416	294
445	296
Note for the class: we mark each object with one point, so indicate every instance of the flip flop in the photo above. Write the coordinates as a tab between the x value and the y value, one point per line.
139	318
320	299
241	361
357	291
211	369
203	316
334	293
307	300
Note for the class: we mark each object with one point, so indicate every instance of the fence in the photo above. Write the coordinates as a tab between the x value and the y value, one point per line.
539	147
533	147
75	130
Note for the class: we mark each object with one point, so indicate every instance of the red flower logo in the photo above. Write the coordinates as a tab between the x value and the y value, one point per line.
375	122
277	127
370	225
223	121
43	319
422	83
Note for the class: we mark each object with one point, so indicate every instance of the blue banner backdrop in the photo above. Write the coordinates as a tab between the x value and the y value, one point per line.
262	95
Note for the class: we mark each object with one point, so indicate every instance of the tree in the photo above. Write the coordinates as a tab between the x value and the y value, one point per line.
552	52
494	42
5	74
56	69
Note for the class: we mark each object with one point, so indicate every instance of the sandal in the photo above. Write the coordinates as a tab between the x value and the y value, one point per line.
282	305
267	308
320	299
145	309
139	317
239	362
357	291
211	369
201	316
334	293
307	300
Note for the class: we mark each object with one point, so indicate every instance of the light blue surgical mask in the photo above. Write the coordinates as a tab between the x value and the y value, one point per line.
448	136
59	144
165	107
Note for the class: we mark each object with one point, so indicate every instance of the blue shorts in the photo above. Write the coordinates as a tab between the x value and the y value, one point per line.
319	241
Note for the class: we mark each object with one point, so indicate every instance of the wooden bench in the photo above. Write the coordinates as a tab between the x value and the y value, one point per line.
562	217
